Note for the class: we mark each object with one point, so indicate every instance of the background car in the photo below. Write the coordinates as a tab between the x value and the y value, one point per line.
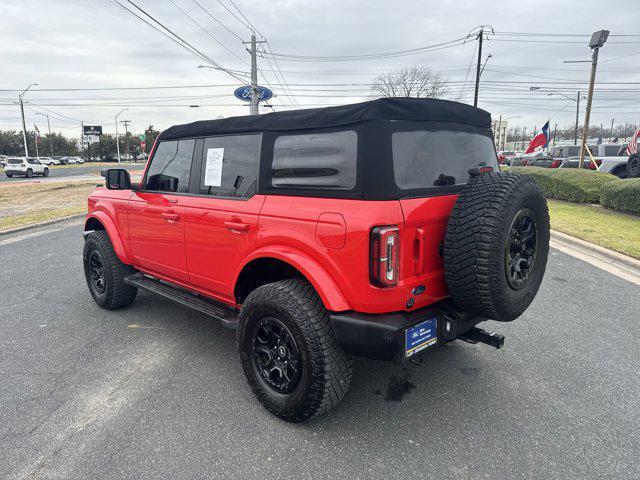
25	166
49	161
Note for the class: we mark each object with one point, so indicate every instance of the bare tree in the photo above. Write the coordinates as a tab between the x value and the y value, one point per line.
413	81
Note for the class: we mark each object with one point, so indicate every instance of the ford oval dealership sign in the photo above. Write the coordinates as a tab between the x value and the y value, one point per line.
244	93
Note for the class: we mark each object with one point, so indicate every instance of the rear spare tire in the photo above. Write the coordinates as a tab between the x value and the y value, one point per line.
496	245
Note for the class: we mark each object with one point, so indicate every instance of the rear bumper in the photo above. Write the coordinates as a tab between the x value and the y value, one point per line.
15	172
382	337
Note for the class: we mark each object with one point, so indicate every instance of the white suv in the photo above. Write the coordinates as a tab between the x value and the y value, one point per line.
49	161
25	166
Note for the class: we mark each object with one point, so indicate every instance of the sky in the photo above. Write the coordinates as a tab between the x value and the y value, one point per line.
107	59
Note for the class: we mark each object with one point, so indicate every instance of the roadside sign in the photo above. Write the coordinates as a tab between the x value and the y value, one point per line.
91	134
92	130
244	93
142	137
143	145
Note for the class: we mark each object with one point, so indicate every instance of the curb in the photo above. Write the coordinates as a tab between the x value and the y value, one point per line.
590	248
42	224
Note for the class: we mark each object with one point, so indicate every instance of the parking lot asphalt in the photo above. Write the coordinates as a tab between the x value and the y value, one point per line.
72	173
156	390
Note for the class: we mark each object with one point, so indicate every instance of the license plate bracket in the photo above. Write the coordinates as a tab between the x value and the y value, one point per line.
420	336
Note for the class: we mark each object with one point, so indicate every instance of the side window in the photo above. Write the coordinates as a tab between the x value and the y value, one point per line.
171	165
316	160
230	165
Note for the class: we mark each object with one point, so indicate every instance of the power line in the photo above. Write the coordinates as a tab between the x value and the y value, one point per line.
207	32
218	21
175	36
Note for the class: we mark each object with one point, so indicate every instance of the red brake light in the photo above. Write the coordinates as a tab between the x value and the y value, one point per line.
556	163
385	249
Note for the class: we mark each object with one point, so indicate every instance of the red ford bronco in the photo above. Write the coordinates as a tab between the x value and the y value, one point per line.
379	229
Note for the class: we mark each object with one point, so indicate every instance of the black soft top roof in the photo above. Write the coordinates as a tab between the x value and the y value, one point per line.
420	109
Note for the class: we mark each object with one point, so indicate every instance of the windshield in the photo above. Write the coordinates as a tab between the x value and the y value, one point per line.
439	158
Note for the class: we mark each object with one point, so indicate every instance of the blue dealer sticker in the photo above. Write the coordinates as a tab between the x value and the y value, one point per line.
420	336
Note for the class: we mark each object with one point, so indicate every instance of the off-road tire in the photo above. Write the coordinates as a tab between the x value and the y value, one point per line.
116	294
325	368
477	239
633	166
45	173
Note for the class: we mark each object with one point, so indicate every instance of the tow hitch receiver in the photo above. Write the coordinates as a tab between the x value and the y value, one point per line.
476	335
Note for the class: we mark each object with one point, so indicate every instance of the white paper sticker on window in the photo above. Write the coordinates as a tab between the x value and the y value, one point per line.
213	170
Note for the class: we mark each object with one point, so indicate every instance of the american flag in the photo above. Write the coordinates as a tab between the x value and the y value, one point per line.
633	144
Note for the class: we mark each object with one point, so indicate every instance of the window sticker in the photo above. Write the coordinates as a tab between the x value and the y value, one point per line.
213	170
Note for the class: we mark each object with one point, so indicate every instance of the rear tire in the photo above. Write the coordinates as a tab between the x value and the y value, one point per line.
289	352
496	246
633	166
45	173
105	273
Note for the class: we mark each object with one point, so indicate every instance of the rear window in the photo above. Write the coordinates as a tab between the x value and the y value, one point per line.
14	161
439	158
316	160
611	150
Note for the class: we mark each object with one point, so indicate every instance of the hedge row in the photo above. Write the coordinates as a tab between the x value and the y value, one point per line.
622	195
587	186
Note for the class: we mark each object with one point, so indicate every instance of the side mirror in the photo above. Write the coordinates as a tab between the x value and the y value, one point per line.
163	183
116	179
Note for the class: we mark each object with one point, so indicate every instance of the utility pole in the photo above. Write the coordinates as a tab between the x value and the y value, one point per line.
480	37
126	133
117	135
24	125
575	132
49	130
253	106
555	131
597	40
611	131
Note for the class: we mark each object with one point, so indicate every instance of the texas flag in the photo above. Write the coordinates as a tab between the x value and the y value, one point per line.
540	140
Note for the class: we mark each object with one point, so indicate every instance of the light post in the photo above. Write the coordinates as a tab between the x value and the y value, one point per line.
579	97
24	125
117	135
49	130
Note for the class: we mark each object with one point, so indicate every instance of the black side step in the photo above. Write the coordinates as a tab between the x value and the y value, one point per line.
476	335
227	316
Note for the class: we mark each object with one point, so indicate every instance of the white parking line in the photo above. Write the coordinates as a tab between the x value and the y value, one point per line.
40	232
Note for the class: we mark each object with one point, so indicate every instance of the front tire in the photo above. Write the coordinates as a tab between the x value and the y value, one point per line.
105	273
29	173
9	175
633	166
289	352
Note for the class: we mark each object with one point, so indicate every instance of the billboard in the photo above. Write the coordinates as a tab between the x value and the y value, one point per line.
91	134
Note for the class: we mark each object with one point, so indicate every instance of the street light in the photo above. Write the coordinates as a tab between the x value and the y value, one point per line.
117	135
579	96
24	125
49	129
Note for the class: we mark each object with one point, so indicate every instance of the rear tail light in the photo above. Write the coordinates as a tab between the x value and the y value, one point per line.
556	163
592	166
385	249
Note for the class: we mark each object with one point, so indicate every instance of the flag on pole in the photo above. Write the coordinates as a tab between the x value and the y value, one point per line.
37	132
633	144
541	139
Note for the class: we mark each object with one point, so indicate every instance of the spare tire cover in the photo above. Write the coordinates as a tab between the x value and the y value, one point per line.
496	245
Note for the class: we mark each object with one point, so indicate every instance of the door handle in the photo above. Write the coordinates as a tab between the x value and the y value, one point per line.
239	226
170	217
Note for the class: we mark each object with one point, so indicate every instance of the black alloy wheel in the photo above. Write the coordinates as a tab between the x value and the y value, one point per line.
275	358
96	269
520	252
